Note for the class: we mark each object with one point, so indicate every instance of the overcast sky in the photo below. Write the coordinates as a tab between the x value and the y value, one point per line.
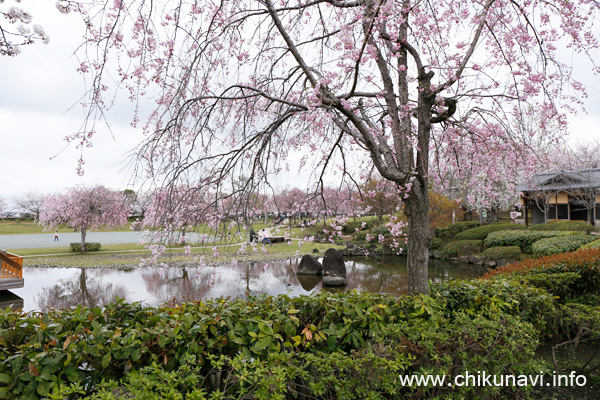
39	107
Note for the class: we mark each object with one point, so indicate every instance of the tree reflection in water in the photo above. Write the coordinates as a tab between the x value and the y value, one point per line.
96	287
88	291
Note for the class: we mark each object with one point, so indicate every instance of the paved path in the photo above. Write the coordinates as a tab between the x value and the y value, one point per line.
46	240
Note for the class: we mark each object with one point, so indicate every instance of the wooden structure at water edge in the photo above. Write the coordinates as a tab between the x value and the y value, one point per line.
11	271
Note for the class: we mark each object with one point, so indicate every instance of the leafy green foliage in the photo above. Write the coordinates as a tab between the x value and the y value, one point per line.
555	245
452	230
510	253
584	263
577	326
436	243
462	247
89	246
380	230
563	285
352	226
481	232
592	245
563	226
344	345
523	239
492	297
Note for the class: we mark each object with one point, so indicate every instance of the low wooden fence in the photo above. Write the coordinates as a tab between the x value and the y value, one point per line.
12	265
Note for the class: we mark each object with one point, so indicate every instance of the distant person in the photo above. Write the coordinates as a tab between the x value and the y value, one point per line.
265	235
56	236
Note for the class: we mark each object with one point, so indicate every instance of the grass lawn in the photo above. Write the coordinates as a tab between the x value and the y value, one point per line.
29	227
131	254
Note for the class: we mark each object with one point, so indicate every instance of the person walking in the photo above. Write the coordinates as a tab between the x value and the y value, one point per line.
56	236
265	235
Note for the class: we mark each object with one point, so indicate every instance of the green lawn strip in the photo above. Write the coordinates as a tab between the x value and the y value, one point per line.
29	227
132	254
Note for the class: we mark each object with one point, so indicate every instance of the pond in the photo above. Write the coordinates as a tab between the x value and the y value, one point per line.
67	287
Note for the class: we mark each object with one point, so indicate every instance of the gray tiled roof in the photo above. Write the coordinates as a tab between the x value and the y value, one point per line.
563	180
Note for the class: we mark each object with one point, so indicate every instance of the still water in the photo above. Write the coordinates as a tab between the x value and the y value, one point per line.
67	287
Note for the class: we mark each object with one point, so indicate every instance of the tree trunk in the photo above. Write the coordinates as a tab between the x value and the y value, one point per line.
83	232
417	213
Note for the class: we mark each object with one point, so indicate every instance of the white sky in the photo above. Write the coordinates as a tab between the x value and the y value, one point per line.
39	92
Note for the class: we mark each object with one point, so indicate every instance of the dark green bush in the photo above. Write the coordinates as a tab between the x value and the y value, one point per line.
585	263
490	296
561	244
89	246
351	226
509	253
523	239
459	248
563	226
577	332
361	236
560	284
380	230
452	230
480	233
436	243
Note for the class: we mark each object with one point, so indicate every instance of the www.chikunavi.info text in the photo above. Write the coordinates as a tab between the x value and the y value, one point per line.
483	379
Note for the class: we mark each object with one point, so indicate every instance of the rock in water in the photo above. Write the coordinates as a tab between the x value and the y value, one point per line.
334	281
309	266
334	268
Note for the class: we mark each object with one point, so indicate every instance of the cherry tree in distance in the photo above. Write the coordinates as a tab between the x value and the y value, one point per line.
85	209
242	85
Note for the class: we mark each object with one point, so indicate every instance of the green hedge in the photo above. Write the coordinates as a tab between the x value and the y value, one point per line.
350	227
584	263
436	243
523	239
592	245
509	253
505	293
563	226
561	244
560	284
480	233
453	229
459	248
89	246
328	346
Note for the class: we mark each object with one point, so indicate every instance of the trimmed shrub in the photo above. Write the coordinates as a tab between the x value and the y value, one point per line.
523	239
592	245
350	227
563	226
561	244
480	233
436	243
89	246
453	229
459	248
361	236
380	230
586	263
503	294
509	253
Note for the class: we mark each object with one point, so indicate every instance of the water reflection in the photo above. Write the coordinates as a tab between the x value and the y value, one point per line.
86	289
9	299
67	287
